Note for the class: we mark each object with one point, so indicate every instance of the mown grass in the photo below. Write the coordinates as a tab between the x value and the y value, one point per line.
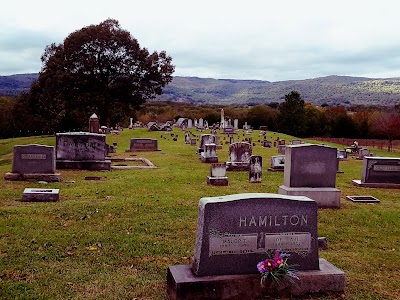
115	238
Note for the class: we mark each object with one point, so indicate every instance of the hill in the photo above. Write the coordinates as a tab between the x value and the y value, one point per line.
331	90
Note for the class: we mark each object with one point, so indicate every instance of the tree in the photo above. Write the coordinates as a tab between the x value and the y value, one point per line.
98	69
387	124
292	114
262	115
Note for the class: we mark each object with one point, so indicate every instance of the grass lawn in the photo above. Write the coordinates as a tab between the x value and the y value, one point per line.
114	238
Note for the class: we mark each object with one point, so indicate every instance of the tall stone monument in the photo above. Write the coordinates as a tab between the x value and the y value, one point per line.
94	124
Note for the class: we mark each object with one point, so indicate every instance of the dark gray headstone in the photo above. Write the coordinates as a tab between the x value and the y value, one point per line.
34	159
80	146
309	165
381	170
255	169
235	231
143	144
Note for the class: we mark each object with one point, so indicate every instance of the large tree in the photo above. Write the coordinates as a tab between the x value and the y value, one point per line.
292	115
98	69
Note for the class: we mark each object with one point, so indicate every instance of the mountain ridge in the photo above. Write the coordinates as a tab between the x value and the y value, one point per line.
332	90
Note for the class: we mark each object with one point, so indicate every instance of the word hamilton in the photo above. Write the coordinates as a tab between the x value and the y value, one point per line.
259	221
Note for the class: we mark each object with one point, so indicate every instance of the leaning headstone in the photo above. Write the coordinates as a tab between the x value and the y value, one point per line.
277	163
81	150
209	155
217	175
40	195
255	169
310	170
143	144
33	162
239	156
233	234
380	172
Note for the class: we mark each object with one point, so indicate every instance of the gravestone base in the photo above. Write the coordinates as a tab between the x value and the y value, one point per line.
237	166
183	284
141	150
92	165
276	170
218	181
376	185
324	197
41	195
209	159
33	177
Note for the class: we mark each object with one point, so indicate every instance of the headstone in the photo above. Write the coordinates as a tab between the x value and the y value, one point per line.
296	142
266	144
130	123
217	175
277	163
281	149
40	195
206	139
236	124
201	123
231	139
187	138
341	154
239	156
233	234
228	130
310	170
209	155
380	172
193	142
255	169
362	152
81	150
143	144
94	124
190	124
33	162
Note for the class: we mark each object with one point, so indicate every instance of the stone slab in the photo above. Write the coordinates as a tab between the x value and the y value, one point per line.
376	185
209	160
33	177
218	181
324	197
237	166
104	165
40	195
363	199
182	284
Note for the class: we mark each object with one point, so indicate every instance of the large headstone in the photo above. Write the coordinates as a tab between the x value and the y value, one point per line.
381	172
233	234
217	175
143	144
81	150
235	231
310	170
209	155
239	156
33	162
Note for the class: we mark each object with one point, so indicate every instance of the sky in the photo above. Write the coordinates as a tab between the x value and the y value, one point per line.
254	39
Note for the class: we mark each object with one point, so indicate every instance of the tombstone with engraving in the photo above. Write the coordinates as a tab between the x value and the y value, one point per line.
233	234
380	172
81	150
310	170
209	155
217	175
33	162
277	163
206	139
255	169
239	156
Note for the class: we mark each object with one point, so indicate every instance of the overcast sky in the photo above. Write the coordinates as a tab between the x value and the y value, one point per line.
253	39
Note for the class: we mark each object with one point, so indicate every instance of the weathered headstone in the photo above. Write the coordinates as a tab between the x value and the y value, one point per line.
217	175
190	123
209	155
94	124
233	234
81	150
266	143
206	139
383	172
277	163
296	142
341	154
255	169
143	144
236	124
33	162
239	156
310	170
281	149
362	152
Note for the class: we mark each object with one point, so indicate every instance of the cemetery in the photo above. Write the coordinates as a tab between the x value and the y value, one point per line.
165	225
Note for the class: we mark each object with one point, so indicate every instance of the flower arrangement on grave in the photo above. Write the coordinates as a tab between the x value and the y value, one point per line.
275	268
